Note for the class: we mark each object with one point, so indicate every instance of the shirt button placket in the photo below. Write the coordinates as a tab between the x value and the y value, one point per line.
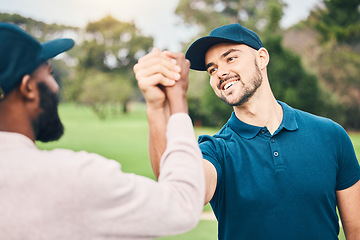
278	161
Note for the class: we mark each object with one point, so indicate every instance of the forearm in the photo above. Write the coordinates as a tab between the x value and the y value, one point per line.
349	209
178	104
353	235
157	119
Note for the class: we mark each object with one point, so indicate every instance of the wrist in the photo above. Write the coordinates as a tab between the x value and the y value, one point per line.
157	111
178	106
155	107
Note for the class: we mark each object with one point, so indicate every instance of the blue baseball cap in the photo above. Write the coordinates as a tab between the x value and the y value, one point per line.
232	33
21	54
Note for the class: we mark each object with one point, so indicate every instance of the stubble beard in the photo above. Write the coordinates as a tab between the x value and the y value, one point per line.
249	91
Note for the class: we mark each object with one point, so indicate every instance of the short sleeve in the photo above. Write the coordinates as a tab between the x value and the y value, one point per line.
211	151
349	169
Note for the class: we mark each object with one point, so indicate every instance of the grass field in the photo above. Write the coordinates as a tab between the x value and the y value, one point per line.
125	138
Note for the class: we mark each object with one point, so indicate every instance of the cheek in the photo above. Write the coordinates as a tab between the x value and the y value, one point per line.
213	83
53	85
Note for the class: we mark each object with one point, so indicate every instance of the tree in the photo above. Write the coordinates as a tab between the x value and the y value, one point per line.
119	44
338	67
335	56
208	14
289	80
107	56
338	20
42	31
105	92
292	84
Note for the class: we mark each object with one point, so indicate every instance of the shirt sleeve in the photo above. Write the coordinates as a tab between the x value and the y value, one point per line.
128	206
349	169
211	151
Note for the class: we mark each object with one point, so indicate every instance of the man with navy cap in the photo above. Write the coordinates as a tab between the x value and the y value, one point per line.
272	171
62	194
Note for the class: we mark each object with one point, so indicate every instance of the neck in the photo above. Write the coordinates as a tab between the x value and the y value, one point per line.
16	119
261	110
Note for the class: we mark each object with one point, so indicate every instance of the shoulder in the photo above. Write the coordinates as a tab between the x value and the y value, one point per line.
218	138
70	158
214	147
79	168
314	121
322	128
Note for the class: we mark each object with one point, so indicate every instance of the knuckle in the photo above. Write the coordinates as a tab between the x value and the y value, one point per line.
135	67
181	55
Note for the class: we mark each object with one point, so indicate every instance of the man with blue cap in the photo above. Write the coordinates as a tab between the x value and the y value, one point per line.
272	171
62	194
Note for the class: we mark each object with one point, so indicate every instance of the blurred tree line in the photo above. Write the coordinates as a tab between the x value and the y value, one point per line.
332	52
98	71
321	77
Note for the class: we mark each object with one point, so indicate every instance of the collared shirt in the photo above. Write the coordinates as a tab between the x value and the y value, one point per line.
62	194
280	186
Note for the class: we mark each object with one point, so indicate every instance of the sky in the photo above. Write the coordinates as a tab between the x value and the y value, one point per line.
155	18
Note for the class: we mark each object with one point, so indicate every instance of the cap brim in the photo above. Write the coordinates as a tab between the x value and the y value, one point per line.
197	51
52	48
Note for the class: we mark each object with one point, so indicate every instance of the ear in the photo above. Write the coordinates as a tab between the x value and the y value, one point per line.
263	58
28	87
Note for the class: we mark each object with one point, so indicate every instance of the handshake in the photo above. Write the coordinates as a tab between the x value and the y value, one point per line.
163	78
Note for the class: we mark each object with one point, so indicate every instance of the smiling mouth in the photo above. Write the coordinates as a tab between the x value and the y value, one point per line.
228	81
229	85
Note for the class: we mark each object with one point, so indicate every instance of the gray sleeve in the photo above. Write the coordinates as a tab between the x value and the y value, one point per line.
129	206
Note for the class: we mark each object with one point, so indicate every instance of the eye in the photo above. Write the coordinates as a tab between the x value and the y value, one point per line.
230	59
50	70
212	70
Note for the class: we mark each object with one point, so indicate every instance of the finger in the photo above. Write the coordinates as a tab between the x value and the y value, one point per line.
154	80
155	49
157	70
174	54
179	57
159	57
155	66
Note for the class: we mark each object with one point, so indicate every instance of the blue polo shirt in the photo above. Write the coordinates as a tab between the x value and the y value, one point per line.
280	186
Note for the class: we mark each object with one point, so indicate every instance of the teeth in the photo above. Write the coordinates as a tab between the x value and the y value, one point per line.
228	85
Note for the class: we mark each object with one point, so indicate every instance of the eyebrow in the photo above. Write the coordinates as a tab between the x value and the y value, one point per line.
229	51
209	65
224	55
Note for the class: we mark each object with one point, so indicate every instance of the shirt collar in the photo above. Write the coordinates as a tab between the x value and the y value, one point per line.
250	131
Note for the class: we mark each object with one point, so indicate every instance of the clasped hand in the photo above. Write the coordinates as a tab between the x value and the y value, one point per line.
163	79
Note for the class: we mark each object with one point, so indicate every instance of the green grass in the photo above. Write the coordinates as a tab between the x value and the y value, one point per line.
125	138
122	138
205	230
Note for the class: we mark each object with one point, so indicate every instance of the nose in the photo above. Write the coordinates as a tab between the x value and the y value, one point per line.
223	71
54	85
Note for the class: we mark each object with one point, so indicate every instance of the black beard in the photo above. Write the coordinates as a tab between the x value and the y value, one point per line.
257	80
48	126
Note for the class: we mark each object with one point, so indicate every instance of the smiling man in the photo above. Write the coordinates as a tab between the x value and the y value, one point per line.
272	171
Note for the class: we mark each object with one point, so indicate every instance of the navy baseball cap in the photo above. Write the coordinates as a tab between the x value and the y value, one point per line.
21	54
232	33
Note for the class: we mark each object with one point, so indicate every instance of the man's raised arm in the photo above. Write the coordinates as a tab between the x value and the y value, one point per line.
154	72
